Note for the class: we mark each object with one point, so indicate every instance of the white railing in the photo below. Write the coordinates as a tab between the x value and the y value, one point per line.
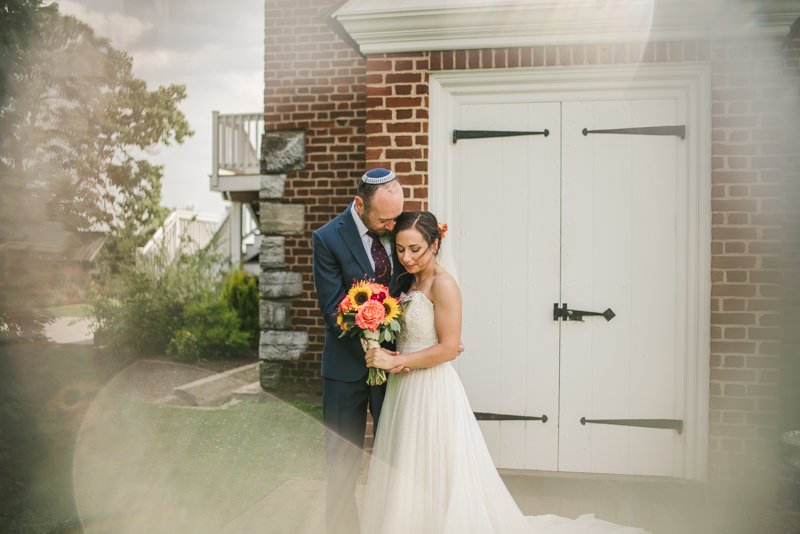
183	229
236	144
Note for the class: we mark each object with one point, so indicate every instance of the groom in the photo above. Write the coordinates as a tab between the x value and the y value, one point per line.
354	245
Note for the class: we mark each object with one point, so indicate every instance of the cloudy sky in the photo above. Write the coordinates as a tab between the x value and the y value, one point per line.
215	48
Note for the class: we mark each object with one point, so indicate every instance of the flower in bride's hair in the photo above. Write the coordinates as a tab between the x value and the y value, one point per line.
392	308
370	315
442	229
359	295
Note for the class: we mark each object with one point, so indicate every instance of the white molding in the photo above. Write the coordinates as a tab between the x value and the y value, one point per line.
411	25
690	83
236	182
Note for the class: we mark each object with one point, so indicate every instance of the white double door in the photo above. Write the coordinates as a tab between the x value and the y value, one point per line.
592	222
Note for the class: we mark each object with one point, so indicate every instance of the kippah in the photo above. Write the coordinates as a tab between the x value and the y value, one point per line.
378	176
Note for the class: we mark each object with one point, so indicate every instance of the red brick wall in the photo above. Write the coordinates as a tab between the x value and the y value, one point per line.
397	121
790	305
746	220
314	82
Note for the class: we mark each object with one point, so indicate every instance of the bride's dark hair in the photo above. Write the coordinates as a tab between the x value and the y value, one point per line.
425	223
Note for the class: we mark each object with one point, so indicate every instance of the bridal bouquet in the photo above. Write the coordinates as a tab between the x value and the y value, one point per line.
368	311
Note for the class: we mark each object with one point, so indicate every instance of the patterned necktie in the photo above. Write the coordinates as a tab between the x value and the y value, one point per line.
383	269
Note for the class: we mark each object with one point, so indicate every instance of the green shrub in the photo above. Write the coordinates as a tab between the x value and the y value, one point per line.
183	347
216	329
138	311
240	292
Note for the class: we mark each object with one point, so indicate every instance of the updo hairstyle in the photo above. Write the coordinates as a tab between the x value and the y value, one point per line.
424	222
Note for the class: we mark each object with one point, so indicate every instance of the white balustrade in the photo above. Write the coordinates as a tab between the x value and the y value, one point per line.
236	144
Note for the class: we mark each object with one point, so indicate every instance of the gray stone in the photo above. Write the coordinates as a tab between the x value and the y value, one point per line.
270	376
282	219
272	186
273	252
282	345
274	315
280	284
283	151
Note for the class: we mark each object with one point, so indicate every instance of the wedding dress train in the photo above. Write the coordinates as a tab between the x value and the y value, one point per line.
431	472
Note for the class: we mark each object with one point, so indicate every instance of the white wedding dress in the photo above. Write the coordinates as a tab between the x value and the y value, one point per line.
431	472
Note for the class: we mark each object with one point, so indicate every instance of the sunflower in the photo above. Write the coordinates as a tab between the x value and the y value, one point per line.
393	310
341	323
359	295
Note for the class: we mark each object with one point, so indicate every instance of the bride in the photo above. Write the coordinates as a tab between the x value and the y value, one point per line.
431	472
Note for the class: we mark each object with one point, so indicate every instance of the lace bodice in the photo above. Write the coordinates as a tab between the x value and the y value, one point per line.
417	328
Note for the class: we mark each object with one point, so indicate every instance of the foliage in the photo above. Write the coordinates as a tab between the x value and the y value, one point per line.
141	308
217	329
240	292
183	347
74	121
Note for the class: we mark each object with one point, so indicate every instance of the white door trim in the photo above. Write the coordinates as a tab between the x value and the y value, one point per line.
690	84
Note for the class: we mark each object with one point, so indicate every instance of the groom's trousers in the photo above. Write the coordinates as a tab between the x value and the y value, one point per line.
344	412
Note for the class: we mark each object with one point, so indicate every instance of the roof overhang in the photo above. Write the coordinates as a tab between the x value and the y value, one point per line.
386	26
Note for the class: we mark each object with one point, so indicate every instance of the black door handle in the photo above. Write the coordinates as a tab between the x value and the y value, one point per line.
578	315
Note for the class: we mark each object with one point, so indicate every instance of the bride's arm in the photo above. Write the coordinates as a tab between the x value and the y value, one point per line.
446	298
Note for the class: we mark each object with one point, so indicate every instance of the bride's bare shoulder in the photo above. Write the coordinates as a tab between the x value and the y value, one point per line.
444	286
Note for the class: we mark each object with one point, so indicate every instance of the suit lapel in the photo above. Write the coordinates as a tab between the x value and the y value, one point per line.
349	232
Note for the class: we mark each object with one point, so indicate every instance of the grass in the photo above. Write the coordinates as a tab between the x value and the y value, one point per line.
145	468
314	409
149	468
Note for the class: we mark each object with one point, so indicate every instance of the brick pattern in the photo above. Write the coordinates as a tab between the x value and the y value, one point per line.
313	82
747	128
790	305
746	220
362	114
397	121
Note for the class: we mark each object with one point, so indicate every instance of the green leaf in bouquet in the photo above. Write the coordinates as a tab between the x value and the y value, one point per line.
394	325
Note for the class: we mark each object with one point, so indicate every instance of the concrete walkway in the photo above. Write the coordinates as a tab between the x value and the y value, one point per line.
298	507
70	330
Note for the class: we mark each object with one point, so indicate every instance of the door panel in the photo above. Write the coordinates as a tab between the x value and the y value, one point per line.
587	220
508	196
619	251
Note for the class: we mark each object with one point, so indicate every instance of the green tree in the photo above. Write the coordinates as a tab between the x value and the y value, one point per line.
240	292
74	122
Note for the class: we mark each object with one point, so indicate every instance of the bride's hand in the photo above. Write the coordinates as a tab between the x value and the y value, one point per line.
380	359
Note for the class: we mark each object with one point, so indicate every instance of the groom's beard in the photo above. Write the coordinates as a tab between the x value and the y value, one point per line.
365	219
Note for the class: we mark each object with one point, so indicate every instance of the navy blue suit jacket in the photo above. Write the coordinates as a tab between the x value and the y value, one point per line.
340	257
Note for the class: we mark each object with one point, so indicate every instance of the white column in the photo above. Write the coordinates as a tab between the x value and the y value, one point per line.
235	234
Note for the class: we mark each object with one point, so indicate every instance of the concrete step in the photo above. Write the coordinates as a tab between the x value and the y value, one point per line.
216	389
253	392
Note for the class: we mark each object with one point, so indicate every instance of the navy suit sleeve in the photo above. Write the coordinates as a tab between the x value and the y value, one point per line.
328	280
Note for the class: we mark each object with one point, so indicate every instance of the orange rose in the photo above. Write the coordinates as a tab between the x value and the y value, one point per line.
370	315
346	304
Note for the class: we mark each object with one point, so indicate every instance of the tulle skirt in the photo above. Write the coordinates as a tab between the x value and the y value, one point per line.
431	472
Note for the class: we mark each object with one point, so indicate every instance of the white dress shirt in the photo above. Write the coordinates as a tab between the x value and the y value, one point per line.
386	241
